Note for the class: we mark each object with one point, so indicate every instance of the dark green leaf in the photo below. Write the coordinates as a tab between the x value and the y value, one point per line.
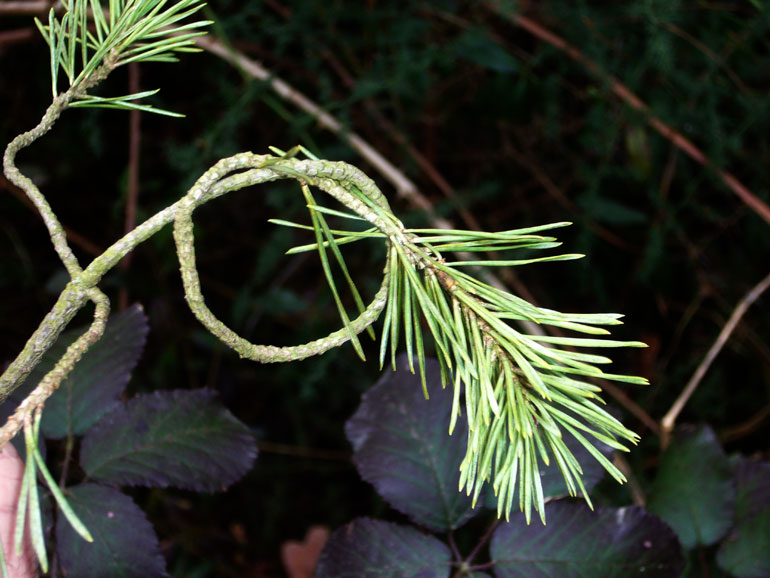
694	491
613	212
752	486
176	438
746	551
124	543
477	46
97	380
368	548
402	447
578	542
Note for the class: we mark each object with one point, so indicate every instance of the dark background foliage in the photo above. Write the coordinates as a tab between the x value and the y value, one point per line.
522	133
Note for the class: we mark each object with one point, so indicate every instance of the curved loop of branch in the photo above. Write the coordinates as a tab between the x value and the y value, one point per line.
336	179
521	391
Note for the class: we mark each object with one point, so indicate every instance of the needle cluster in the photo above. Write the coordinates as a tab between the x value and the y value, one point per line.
521	393
127	31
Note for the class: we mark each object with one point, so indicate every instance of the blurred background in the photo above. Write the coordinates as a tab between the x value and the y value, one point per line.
645	124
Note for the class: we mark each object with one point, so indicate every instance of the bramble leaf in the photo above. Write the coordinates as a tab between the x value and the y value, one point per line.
185	439
124	543
752	486
745	553
605	543
694	491
402	447
377	549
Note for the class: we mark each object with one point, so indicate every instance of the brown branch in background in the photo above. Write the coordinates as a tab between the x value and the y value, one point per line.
132	186
405	188
634	408
747	427
710	54
22	8
16	36
507	274
399	138
545	181
668	421
625	94
303	452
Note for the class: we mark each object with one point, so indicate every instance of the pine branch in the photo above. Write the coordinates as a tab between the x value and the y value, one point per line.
521	392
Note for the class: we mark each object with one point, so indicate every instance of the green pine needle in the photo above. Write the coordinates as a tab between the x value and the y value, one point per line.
137	31
520	393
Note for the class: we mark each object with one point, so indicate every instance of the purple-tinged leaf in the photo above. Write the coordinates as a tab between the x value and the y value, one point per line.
580	543
745	553
94	385
367	548
124	545
694	490
402	447
752	486
180	438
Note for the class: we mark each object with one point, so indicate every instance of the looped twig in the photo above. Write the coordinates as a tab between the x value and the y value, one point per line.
337	179
521	391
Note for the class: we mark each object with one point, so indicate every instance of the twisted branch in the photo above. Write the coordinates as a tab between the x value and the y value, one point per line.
230	174
521	390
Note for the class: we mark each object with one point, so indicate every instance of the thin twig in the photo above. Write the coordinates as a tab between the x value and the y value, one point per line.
132	186
22	8
399	138
303	452
710	54
453	546
668	421
622	398
743	429
624	93
15	176
14	36
405	188
35	400
637	493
